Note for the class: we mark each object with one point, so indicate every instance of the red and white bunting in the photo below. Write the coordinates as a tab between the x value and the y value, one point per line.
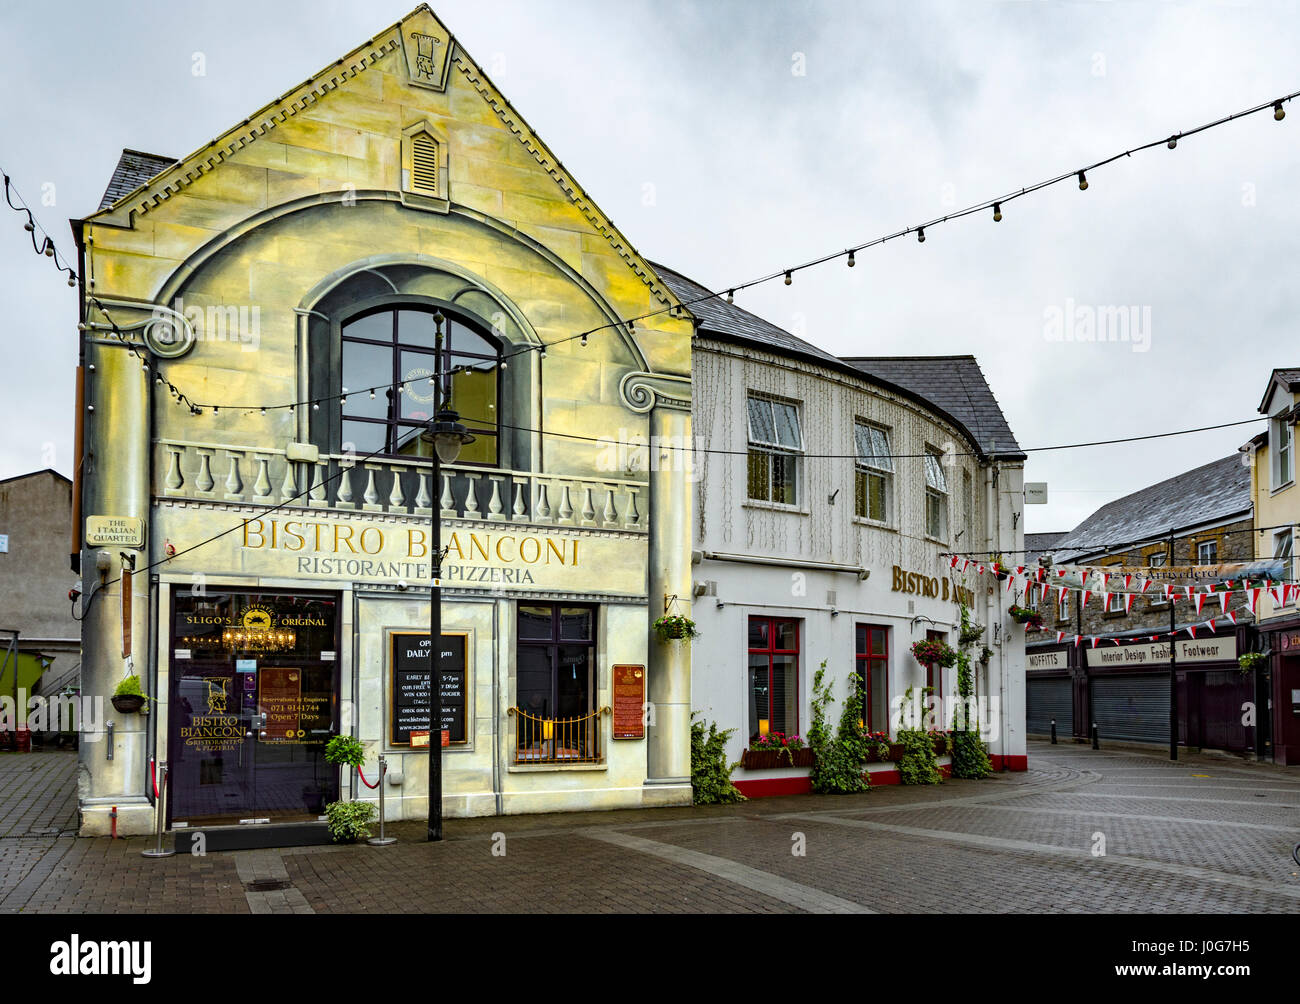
1200	602
1191	630
1105	601
1276	593
1252	599
1128	603
1059	636
1020	569
953	563
1060	573
1168	590
979	569
1062	592
1105	578
1210	625
1115	640
1232	616
1077	638
1011	583
1086	594
1189	590
1043	590
1146	584
965	564
1128	580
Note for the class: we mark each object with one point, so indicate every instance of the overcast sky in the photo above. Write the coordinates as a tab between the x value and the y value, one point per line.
730	139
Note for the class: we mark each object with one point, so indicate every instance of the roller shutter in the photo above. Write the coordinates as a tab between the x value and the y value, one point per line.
1047	698
1132	706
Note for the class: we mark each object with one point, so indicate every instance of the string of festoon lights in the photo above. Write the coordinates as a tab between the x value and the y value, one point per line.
47	247
1056	585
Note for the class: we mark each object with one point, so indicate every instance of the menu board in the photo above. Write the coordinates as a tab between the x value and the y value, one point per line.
279	697
629	702
409	700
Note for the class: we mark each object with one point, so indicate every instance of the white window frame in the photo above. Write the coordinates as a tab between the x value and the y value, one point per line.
1281	445
1213	559
773	447
871	464
936	487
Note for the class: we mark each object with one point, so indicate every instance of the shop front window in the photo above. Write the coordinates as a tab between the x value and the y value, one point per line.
555	684
773	676
253	700
389	359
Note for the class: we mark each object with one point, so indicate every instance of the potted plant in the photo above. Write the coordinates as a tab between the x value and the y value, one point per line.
1251	661
986	655
1023	615
675	627
971	633
349	822
128	698
345	751
934	651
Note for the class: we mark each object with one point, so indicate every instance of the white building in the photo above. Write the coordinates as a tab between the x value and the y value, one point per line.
828	495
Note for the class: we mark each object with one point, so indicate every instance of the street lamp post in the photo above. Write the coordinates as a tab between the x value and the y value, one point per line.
446	435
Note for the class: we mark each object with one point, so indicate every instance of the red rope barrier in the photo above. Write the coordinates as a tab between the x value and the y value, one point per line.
364	781
153	774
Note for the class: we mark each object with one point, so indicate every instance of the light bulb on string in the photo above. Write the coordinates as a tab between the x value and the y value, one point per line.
631	327
1278	113
29	226
997	212
263	411
505	365
852	261
372	393
1173	142
920	235
72	280
315	406
583	342
1083	181
788	279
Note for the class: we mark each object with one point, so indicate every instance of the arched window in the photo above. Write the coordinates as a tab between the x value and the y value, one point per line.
393	350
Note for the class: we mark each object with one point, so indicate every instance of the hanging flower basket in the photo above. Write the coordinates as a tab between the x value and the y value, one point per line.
1251	661
934	652
674	627
1027	617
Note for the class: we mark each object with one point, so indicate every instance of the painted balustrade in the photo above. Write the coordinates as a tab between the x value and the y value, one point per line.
251	476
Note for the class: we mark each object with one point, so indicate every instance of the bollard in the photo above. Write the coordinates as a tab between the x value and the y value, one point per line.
1096	739
1053	731
159	801
381	840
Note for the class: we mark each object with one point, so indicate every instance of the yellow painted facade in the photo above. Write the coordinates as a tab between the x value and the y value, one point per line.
397	176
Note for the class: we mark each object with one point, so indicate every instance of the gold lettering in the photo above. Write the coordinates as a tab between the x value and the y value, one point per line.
500	541
316	527
290	534
537	550
454	545
898	580
414	539
552	549
249	531
273	529
476	545
341	536
378	547
945	589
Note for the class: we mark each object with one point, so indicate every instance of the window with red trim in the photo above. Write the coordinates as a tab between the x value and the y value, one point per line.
773	675
872	652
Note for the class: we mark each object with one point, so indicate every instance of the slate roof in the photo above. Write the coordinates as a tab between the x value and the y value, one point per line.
1041	543
133	170
957	385
953	386
1288	378
1215	491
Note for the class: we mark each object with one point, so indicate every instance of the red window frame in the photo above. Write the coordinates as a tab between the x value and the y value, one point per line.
863	659
770	651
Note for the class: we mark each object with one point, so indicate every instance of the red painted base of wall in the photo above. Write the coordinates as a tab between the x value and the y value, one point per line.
1019	762
772	786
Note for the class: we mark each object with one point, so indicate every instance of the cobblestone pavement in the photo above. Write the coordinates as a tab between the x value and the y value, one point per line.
1114	831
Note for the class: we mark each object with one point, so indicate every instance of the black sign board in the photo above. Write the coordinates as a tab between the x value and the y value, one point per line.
408	696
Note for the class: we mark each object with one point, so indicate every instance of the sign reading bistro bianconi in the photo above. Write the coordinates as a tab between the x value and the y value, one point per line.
409	697
329	548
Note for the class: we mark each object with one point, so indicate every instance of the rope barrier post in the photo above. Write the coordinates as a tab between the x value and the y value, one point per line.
160	798
381	840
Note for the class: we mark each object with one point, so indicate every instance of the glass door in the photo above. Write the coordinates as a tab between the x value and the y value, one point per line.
254	700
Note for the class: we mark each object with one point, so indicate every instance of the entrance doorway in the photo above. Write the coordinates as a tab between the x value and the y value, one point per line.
254	699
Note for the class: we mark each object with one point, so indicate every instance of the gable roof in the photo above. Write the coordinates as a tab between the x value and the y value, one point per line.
967	403
133	170
1289	379
36	474
1217	491
177	175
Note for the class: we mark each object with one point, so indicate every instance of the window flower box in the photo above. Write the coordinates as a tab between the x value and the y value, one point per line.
771	759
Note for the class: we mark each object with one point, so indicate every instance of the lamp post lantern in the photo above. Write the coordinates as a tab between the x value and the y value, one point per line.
446	436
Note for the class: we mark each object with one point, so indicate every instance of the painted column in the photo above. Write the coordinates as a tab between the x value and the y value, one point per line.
668	753
115	482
